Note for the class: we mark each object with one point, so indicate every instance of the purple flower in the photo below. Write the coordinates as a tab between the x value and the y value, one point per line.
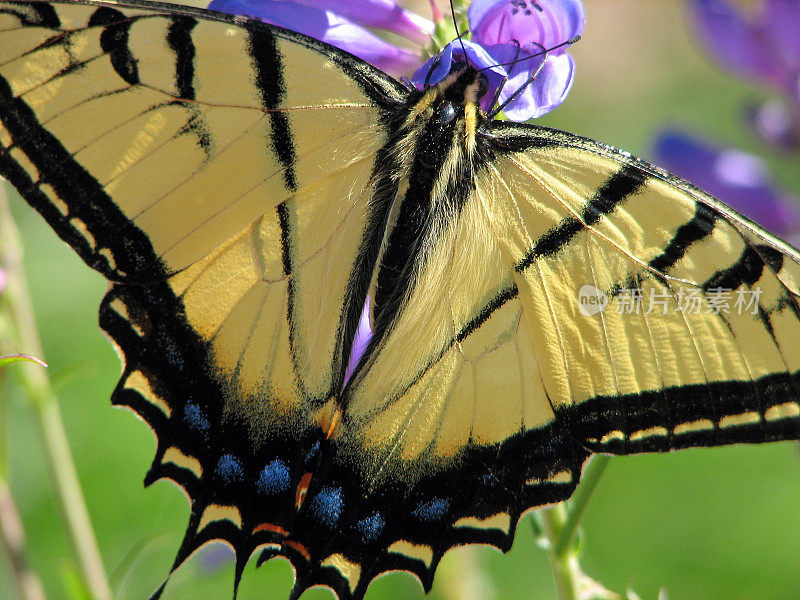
521	29
739	179
518	43
437	67
382	14
764	45
509	39
339	23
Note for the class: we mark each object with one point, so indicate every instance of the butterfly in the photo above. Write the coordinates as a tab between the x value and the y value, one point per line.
252	195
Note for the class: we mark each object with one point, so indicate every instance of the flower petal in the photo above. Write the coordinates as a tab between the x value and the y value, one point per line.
478	8
734	41
548	89
327	27
738	179
517	31
384	14
781	20
544	22
361	340
436	68
476	56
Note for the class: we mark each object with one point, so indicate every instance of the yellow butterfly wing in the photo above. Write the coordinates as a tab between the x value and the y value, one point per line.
691	340
221	174
696	343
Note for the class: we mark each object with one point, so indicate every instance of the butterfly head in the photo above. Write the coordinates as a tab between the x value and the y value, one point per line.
452	104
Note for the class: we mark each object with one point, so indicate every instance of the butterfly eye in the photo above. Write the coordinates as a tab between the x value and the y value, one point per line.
445	114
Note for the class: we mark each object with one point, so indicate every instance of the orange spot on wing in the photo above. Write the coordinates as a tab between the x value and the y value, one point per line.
302	490
329	417
271	528
298	547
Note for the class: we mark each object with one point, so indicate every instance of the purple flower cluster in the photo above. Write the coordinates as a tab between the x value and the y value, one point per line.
764	46
510	40
735	177
518	43
343	23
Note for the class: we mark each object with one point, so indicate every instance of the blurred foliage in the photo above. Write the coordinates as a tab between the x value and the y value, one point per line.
714	524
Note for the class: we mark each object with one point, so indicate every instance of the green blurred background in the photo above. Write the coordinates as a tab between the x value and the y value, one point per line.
717	524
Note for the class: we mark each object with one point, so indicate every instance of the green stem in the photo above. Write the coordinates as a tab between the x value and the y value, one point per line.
566	571
557	527
35	380
12	537
577	504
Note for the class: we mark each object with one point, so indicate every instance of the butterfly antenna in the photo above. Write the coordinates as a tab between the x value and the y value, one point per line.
428	75
455	25
504	81
530	79
518	60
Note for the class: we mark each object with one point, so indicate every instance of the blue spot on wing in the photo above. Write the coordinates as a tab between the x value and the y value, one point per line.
371	527
195	419
431	510
327	505
229	469
168	349
274	478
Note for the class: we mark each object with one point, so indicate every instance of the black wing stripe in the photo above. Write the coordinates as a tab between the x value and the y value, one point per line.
286	259
268	65
70	181
748	269
114	42
501	299
40	14
616	189
592	421
180	40
698	228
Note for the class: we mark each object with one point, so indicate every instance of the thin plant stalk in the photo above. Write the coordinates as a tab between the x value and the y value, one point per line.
557	527
12	538
566	571
48	415
12	531
579	501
